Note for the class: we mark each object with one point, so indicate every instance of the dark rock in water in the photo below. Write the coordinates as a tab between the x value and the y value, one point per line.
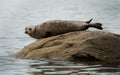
80	45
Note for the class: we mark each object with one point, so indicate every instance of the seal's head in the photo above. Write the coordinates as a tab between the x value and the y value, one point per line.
30	30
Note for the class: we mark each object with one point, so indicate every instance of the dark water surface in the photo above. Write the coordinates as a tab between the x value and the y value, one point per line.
15	15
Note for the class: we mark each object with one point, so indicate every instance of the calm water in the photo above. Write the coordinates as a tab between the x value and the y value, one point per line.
15	15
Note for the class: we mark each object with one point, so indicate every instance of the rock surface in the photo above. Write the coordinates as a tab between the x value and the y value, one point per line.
80	45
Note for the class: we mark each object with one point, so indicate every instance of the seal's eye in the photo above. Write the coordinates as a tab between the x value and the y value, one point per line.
30	29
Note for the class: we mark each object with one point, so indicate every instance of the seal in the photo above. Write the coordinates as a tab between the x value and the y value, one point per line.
56	27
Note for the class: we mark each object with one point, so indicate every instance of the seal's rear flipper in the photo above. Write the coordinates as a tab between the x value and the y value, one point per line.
96	25
89	21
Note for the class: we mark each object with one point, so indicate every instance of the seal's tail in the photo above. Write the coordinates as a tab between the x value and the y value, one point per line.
96	25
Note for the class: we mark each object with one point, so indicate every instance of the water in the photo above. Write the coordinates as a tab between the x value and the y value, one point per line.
15	15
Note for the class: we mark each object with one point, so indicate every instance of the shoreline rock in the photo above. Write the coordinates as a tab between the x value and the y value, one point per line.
80	45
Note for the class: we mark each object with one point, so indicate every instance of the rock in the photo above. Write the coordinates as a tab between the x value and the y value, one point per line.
80	45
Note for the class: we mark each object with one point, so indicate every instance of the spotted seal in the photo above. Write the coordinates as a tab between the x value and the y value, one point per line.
56	27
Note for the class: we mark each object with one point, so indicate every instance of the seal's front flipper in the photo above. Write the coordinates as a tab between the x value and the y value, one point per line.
48	34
